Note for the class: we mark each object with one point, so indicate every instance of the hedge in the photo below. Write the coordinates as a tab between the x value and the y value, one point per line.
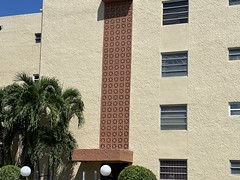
136	173
9	172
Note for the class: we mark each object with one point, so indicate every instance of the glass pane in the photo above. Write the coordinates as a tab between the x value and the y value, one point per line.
234	2
170	169
235	164
173	127
235	171
173	4
174	68
235	112
173	163
234	105
174	108
172	74
174	169
234	54
174	56
179	61
234	57
173	121
178	21
175	15
174	64
175	12
173	114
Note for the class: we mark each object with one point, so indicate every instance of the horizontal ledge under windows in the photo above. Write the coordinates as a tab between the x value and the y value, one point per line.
173	169
234	2
173	117
235	167
234	54
174	64
175	12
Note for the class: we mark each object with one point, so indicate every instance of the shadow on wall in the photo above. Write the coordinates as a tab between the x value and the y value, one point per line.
89	168
100	15
67	171
117	11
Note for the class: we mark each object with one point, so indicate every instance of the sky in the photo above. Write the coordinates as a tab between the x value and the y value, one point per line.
16	7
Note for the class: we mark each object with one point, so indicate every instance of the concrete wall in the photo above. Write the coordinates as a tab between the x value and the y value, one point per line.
72	51
19	52
212	83
150	90
210	141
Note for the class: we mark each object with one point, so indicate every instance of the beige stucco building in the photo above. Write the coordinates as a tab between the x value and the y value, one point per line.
159	80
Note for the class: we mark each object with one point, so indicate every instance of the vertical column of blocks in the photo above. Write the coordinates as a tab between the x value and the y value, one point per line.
115	99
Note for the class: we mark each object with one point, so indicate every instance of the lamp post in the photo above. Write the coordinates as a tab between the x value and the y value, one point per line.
105	170
25	171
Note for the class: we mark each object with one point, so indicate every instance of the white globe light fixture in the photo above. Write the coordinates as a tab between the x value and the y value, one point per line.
105	170
25	171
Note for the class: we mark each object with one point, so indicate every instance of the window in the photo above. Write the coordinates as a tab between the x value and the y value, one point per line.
37	37
175	12
35	77
234	2
234	108
234	54
174	64
174	117
235	167
173	169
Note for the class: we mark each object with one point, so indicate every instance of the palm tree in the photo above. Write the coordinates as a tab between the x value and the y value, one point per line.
38	113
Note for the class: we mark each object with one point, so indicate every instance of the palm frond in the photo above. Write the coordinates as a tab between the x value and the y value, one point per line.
22	76
41	112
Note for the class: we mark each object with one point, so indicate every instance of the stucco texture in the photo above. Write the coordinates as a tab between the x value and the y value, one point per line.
72	44
19	52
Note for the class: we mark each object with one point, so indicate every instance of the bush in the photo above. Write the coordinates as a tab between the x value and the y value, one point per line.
9	172
136	173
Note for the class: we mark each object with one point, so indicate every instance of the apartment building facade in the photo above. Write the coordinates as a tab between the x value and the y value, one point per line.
159	80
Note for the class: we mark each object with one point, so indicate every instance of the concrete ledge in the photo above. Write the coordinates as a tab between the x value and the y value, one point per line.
103	155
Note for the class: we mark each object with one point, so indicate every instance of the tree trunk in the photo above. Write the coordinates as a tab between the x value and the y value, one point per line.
36	171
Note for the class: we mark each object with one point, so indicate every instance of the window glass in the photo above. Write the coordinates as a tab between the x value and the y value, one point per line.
173	169
174	64
175	12
234	54
174	117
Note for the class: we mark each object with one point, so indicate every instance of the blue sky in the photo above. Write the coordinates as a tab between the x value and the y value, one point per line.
16	7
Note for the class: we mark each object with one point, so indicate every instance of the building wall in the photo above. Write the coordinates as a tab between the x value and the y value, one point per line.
210	141
19	52
72	44
72	51
212	83
150	90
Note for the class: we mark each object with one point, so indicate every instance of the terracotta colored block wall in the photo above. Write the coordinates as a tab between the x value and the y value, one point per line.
115	99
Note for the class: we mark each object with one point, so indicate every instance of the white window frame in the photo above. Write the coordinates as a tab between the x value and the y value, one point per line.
229	109
34	77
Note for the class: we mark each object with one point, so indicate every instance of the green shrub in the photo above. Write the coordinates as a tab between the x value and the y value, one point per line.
136	173
9	172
